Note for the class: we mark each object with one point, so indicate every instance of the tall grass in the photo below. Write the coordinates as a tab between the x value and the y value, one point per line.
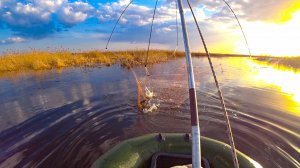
43	60
284	62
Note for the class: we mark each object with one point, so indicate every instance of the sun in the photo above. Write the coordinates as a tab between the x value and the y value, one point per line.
276	39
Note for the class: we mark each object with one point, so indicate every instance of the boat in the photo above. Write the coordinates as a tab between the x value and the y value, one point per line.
169	149
153	150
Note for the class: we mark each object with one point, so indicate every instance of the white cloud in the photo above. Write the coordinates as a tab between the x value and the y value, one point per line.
13	40
30	13
25	15
74	13
50	5
37	16
251	10
138	15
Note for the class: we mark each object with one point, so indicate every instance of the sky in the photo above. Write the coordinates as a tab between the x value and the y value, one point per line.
272	27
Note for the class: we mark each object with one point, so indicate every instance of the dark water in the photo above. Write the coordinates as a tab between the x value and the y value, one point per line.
69	118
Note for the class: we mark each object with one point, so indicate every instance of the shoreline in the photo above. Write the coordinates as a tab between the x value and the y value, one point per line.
47	60
284	62
38	60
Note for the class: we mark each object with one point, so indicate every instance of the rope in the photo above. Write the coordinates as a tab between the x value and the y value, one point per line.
241	27
229	131
150	37
113	30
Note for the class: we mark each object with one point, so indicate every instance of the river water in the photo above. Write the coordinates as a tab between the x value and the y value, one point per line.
69	118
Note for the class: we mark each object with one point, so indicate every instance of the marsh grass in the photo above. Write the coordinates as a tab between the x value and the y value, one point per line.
45	60
284	62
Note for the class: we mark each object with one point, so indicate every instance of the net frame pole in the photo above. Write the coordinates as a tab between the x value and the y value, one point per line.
196	145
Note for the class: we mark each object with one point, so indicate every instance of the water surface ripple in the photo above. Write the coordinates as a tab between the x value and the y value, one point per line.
69	118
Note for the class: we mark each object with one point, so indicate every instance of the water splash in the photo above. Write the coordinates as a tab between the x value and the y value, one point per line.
146	102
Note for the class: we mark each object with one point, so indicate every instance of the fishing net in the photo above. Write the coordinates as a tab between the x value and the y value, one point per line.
166	87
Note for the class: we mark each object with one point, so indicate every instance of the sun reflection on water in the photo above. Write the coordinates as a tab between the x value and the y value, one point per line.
287	80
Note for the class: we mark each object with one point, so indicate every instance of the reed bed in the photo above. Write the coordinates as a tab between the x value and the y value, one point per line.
288	62
45	60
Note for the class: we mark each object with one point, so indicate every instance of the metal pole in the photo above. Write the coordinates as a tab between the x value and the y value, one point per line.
196	149
229	131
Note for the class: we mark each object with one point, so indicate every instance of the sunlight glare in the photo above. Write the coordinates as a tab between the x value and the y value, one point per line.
280	39
288	81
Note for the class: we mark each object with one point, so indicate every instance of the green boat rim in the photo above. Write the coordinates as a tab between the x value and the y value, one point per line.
137	152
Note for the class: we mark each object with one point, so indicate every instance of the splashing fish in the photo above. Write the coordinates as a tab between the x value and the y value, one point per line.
149	94
154	107
148	105
145	99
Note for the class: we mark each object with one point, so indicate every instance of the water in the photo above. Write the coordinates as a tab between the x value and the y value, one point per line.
69	118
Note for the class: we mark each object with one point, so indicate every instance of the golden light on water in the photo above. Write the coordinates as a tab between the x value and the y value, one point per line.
281	85
288	81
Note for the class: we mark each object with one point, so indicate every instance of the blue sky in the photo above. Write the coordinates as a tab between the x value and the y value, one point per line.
86	24
78	25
